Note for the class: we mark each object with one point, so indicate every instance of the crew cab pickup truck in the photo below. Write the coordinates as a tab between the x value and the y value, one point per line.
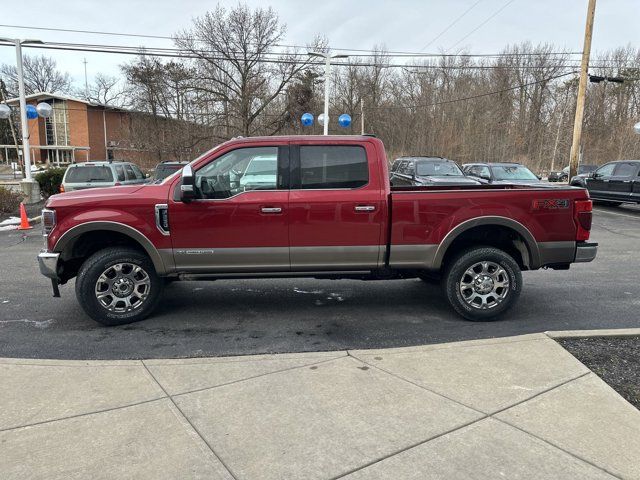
307	206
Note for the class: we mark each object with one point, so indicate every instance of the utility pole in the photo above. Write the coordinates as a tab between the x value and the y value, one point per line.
86	83
361	116
582	90
327	71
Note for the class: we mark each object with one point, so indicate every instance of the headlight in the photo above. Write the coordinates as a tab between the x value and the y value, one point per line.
48	221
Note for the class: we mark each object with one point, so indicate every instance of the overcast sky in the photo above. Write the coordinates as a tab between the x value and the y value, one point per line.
406	25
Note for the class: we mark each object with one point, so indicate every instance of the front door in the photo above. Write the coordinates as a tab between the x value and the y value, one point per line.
239	220
336	207
598	183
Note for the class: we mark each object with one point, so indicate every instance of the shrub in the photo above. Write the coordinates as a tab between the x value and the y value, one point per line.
50	181
9	201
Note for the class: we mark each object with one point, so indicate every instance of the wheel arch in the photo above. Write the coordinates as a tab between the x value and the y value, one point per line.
68	241
529	252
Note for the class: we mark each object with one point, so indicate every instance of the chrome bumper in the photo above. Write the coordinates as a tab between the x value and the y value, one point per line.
586	252
48	263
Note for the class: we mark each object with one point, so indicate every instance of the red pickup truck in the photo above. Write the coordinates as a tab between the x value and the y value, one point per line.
307	206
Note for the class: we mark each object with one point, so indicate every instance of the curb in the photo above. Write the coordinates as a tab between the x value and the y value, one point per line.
615	332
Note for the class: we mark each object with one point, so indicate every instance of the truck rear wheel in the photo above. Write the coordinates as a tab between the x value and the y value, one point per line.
481	283
118	285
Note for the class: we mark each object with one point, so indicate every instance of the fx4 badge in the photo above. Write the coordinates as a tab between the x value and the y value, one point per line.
550	204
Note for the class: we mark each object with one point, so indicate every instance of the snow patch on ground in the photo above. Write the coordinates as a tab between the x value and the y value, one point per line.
35	323
10	221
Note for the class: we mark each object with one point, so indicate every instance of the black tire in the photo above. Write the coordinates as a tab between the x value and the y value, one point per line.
607	203
429	277
144	301
500	299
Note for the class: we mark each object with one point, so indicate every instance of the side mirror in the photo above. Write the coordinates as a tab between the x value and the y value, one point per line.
594	175
187	188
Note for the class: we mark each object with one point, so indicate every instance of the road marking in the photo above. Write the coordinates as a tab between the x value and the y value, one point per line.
616	213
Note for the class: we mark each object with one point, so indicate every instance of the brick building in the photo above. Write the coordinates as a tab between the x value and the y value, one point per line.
80	131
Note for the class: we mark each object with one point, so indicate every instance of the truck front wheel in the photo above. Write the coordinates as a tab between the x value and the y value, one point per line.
118	285
481	283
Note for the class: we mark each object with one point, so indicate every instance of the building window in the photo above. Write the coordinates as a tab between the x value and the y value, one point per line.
57	125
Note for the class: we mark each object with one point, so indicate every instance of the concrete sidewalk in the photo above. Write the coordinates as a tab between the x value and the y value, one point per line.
519	407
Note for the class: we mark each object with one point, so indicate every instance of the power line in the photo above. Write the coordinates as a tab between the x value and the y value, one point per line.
482	24
472	97
450	25
367	51
198	54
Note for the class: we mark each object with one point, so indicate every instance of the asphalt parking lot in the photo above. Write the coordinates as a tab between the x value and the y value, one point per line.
296	315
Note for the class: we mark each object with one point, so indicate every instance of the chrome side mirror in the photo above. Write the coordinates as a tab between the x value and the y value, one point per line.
187	188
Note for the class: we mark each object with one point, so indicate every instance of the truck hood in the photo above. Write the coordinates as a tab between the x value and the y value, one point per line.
77	197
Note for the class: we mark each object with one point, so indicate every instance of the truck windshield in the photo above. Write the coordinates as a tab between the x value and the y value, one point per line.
438	169
512	172
89	174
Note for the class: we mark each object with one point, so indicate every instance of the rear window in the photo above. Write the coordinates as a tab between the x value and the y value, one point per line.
436	169
86	174
163	171
512	172
333	167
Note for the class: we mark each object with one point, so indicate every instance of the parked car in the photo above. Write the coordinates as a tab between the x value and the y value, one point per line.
166	168
501	173
615	182
563	175
583	172
80	176
323	209
428	171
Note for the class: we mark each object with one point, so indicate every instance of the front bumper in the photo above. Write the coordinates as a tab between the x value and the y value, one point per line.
48	263
586	252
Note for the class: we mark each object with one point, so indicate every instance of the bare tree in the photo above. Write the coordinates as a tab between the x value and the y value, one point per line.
41	74
238	65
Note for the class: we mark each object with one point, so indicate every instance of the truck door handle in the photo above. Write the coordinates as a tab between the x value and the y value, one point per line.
365	208
271	209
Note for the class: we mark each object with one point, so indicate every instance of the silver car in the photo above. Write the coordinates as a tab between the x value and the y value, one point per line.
101	174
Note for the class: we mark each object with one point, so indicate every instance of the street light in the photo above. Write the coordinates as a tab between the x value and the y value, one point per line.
23	107
327	69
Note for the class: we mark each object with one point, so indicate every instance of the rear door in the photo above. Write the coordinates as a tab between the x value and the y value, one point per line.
336	206
635	189
621	182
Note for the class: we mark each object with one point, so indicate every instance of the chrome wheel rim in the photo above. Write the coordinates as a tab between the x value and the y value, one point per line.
123	287
484	285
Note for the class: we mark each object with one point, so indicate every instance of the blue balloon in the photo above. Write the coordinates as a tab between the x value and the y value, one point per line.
31	112
344	120
306	119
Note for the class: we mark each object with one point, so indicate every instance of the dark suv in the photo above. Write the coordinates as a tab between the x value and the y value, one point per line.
418	171
615	182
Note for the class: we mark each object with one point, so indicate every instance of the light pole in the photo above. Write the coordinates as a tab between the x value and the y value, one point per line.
327	69
26	154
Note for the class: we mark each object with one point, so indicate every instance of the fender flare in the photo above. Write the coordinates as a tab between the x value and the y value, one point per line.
529	239
68	238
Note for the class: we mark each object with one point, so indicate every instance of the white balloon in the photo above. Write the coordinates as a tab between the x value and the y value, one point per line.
44	109
5	111
321	119
636	127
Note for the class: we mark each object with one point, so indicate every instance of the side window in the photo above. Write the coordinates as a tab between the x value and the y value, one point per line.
624	170
395	166
120	173
129	172
406	167
241	170
333	166
484	172
606	170
138	172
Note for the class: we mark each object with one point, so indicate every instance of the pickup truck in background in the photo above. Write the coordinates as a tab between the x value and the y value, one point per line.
307	206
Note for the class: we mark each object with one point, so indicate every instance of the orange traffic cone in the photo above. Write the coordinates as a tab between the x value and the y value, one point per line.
24	220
